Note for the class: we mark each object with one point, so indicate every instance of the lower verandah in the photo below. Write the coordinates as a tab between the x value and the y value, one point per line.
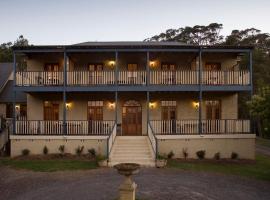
95	114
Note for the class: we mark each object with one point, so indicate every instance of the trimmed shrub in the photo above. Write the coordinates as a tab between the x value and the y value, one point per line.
62	149
92	152
217	156
160	157
79	150
170	155
25	152
234	155
185	153
201	154
45	150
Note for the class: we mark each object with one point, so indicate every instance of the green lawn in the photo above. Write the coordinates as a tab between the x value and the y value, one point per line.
259	170
263	142
49	165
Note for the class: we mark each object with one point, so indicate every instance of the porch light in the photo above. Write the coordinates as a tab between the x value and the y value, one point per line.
111	105
152	63
152	105
196	104
17	107
68	105
111	63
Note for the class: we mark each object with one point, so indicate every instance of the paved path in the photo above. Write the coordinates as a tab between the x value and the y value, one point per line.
153	184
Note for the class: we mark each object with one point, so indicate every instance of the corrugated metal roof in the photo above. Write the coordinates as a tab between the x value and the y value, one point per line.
5	71
7	94
128	45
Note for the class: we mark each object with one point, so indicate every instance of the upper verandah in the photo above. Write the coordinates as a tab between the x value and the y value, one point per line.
134	63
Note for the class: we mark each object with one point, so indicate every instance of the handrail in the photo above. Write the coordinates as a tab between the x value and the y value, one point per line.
55	127
191	126
153	140
138	77
111	140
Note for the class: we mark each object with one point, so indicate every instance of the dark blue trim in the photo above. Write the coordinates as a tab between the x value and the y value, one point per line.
142	88
65	95
147	68
39	88
14	94
251	71
200	92
226	50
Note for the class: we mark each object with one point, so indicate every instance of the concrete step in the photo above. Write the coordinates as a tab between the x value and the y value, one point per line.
133	150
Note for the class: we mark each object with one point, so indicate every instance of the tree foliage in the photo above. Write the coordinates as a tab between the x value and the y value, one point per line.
6	48
197	35
259	107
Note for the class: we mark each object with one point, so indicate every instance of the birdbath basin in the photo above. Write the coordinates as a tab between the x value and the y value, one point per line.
128	187
127	169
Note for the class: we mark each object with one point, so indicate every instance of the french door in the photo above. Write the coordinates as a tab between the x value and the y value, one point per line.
132	118
168	116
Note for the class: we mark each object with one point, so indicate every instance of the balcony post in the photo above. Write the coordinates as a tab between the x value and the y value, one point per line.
64	94
14	93
148	69
200	91
252	125
147	106
250	71
116	69
116	108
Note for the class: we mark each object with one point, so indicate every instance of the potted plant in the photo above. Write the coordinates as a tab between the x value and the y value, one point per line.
102	161
161	161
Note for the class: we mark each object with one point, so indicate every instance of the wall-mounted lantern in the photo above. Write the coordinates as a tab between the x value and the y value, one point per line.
111	105
112	63
152	105
196	104
152	63
68	106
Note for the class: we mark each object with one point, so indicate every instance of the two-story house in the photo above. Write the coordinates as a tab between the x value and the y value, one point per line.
133	100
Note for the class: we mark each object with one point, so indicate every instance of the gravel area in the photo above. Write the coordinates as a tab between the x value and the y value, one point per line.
263	150
153	184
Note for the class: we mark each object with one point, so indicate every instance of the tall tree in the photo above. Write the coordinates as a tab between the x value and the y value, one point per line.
198	35
6	48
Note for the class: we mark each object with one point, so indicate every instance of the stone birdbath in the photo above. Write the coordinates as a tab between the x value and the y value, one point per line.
128	187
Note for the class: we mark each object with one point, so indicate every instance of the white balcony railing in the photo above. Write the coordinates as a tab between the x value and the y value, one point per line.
83	127
90	77
241	77
189	127
178	77
132	77
40	78
156	77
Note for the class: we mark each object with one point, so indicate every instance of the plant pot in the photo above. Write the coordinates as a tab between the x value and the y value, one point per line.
103	163
161	163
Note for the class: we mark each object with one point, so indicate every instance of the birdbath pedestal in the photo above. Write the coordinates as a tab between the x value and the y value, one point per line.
128	187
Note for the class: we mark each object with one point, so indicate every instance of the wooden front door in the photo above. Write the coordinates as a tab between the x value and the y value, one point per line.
51	111
132	118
